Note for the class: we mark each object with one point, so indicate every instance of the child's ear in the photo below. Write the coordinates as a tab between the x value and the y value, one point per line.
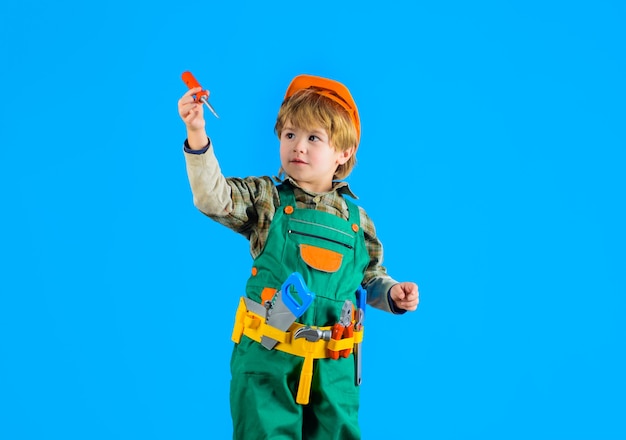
345	155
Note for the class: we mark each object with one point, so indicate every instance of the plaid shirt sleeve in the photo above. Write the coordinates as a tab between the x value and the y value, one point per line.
376	280
246	206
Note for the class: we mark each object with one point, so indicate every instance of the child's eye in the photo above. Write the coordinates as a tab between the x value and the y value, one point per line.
289	135
313	138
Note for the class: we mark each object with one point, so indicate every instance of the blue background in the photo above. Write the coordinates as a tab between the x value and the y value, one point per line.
492	162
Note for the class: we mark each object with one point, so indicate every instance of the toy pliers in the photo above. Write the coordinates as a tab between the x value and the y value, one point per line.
192	82
342	329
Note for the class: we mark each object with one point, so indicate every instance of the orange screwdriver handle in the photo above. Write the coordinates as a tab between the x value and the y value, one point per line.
192	82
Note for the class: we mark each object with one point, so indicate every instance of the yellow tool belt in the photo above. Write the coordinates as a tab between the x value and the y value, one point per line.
254	326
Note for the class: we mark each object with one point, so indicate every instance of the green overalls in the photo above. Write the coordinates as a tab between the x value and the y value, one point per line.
330	254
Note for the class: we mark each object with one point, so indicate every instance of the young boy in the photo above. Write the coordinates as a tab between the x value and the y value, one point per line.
294	371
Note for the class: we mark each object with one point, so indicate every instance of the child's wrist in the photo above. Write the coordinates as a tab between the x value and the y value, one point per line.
191	129
197	140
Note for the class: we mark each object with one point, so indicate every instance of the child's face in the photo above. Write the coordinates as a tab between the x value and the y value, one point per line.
307	156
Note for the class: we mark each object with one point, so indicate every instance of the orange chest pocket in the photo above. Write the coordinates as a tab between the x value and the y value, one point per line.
323	247
321	259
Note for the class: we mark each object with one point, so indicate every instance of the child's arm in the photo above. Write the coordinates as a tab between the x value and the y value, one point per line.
375	280
383	292
231	201
210	191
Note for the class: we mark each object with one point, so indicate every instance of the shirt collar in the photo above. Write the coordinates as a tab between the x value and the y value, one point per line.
341	187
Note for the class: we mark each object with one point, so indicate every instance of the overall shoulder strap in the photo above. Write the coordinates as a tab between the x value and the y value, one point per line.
285	193
353	210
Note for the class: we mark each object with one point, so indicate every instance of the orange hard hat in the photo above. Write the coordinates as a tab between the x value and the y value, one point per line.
331	89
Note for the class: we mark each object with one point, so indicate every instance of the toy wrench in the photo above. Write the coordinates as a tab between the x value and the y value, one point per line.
285	309
192	82
342	329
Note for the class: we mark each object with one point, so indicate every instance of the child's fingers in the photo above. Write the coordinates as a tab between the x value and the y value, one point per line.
188	96
408	305
190	110
193	91
412	294
186	109
189	105
406	296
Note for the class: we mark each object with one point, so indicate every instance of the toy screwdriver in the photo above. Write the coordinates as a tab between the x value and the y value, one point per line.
192	82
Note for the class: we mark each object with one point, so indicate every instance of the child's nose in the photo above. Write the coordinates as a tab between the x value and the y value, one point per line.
299	145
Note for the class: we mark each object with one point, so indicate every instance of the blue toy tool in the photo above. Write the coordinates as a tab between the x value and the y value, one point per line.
295	280
285	309
361	298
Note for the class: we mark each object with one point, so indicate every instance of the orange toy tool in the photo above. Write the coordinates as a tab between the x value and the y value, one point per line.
342	329
192	82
